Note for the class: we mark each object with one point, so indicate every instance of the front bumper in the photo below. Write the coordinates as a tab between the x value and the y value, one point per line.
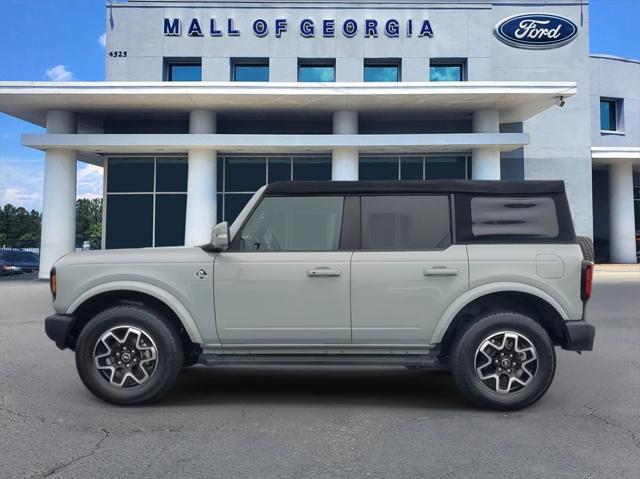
58	328
579	336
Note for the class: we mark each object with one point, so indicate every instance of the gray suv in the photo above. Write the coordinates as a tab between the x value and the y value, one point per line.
482	278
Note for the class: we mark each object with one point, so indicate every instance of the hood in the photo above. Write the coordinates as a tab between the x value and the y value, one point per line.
178	254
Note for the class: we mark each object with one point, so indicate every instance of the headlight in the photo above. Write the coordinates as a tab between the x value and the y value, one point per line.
53	283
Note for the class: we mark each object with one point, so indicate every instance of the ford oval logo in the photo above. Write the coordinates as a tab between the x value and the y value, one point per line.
536	31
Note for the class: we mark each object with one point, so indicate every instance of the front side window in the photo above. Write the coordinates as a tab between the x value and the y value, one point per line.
254	70
417	222
183	71
608	115
294	223
446	71
317	71
380	71
523	217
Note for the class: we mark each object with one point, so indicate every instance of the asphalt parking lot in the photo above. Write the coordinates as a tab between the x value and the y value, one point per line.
318	423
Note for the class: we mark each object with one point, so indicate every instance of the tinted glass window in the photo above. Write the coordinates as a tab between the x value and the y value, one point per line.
129	221
319	73
312	169
445	72
411	169
184	72
608	115
245	173
378	168
170	217
233	204
279	169
381	73
250	72
533	217
171	174
446	168
128	175
294	224
405	222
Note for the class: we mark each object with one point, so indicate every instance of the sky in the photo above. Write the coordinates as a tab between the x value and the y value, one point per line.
63	40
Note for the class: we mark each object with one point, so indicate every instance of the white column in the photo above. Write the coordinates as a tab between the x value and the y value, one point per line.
485	161
622	242
201	184
58	231
344	164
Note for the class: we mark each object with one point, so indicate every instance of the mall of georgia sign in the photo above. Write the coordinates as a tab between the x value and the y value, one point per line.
536	31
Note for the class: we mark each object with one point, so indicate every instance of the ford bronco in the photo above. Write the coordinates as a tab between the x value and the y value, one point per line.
483	278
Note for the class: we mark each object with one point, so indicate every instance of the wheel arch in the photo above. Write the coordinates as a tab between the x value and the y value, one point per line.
96	299
519	298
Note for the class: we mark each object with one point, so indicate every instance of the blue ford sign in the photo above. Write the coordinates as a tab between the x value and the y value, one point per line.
536	31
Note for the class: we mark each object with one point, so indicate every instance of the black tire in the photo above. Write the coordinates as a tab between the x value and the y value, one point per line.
463	361
168	346
586	245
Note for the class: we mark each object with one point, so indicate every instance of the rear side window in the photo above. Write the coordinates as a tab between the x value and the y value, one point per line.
529	217
405	222
294	223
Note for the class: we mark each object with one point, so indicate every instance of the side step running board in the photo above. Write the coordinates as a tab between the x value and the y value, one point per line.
420	361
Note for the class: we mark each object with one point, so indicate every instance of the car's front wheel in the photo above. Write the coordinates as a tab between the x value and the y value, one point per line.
129	355
503	360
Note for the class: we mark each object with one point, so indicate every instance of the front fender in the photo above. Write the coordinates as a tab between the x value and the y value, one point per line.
455	307
167	298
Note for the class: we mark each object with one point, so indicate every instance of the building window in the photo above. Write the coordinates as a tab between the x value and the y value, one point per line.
240	176
610	114
251	69
380	70
636	208
146	201
414	167
447	70
183	70
317	71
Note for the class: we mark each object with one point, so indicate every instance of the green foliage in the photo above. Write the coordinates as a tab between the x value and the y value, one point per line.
19	227
89	222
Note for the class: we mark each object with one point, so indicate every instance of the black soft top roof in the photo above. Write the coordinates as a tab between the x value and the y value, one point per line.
428	186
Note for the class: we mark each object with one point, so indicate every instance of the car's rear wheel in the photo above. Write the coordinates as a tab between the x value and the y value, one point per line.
129	355
503	360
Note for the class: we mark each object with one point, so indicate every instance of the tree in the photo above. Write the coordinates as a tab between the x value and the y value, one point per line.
89	222
19	227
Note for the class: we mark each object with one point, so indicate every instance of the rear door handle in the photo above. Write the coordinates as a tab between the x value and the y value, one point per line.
440	271
317	272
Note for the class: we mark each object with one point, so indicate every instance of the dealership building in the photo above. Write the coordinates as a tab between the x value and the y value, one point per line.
206	101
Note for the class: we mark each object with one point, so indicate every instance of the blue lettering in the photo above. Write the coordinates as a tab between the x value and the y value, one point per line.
260	27
370	28
212	29
194	28
172	28
426	30
281	26
392	28
306	28
230	30
410	28
328	28
349	28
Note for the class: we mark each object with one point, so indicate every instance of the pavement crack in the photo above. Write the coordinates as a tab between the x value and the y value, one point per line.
74	460
634	435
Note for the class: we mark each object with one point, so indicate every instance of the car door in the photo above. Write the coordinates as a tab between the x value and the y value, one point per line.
407	271
285	280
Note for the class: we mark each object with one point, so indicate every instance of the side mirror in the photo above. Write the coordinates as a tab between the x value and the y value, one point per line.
220	236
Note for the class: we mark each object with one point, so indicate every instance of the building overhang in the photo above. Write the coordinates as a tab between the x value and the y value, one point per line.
515	101
607	155
228	143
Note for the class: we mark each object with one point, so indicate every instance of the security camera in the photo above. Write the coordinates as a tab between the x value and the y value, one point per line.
560	101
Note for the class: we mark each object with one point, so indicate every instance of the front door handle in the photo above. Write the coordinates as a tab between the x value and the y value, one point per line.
440	271
317	272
